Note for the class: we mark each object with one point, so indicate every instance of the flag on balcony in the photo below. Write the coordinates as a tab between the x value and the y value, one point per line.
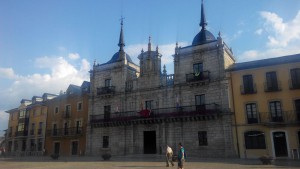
145	113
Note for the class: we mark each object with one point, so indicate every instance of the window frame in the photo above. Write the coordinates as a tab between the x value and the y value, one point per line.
251	113
254	139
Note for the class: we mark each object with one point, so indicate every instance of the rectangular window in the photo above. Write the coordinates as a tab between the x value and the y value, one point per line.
255	140
107	82
78	127
198	68
66	129
56	110
32	129
79	106
202	137
251	113
40	128
32	144
200	102
295	75
107	111
272	84
248	84
54	129
149	104
40	144
105	141
21	127
68	111
276	112
22	113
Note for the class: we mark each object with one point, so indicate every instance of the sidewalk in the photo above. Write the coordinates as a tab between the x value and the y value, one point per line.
137	162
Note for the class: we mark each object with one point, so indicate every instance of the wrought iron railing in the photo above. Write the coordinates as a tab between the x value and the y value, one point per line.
294	84
273	87
61	132
201	76
66	114
248	90
207	109
21	133
106	90
282	117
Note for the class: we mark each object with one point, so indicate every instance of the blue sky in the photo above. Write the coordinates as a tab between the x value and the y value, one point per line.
46	45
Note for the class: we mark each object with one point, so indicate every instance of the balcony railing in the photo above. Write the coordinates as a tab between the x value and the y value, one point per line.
207	109
106	90
294	84
65	132
283	117
21	133
193	77
248	90
273	87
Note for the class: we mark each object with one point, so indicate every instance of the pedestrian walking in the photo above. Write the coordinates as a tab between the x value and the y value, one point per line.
169	155
181	156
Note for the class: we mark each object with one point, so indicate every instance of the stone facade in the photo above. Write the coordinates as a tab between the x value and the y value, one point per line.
140	109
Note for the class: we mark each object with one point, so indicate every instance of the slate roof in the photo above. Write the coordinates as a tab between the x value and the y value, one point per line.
265	62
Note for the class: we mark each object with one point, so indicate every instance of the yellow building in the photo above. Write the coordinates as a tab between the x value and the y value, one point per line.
67	121
265	98
37	112
26	126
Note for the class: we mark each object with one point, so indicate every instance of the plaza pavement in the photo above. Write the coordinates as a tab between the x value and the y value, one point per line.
138	162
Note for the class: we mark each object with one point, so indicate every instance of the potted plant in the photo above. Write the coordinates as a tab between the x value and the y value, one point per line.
54	156
106	156
266	159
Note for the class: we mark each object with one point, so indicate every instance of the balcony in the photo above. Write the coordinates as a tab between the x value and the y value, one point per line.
294	84
202	112
248	90
106	90
21	133
283	117
193	77
66	132
23	120
273	87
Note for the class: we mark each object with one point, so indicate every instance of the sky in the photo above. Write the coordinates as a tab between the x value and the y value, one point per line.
47	45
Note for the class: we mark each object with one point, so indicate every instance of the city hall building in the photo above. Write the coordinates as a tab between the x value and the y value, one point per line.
139	109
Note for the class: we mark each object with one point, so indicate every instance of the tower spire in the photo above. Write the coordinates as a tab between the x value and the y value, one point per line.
121	39
149	44
203	22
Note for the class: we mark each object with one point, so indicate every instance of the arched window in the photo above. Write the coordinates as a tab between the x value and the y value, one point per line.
255	140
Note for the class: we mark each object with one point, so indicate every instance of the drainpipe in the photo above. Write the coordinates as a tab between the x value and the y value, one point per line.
236	130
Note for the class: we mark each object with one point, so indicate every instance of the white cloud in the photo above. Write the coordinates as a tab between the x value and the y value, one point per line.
167	50
74	56
282	33
283	37
3	121
62	73
7	73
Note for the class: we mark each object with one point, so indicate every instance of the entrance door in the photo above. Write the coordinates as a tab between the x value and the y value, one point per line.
56	148
149	142
279	141
74	147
